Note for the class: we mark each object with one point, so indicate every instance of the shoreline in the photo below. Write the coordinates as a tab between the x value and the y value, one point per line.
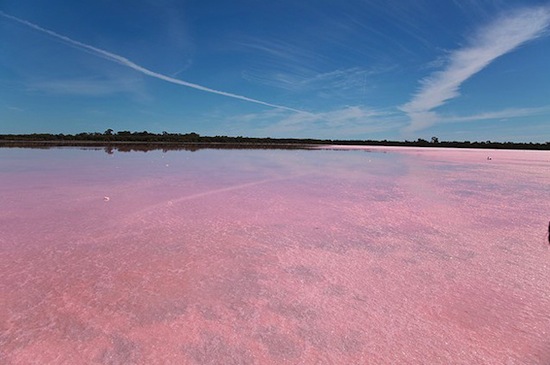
126	146
151	146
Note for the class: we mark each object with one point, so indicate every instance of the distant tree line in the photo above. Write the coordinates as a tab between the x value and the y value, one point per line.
191	141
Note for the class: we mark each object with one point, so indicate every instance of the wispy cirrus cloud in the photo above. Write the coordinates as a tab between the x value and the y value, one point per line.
279	52
87	86
345	122
342	83
500	114
127	63
300	68
496	39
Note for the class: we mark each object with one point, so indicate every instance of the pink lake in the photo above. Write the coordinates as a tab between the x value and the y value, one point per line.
354	256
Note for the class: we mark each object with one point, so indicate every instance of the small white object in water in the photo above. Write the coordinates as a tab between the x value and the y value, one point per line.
106	198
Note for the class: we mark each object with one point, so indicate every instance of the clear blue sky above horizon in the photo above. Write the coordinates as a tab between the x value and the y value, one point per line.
371	69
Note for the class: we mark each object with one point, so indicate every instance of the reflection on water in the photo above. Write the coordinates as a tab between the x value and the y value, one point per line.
383	256
114	147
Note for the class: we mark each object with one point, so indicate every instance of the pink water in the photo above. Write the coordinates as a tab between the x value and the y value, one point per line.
386	256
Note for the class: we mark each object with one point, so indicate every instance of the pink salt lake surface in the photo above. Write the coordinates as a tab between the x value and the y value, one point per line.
366	256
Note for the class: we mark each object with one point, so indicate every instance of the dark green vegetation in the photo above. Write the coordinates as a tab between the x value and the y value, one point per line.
144	141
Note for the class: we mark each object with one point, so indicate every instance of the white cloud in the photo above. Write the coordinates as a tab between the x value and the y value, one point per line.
501	114
87	86
15	108
347	122
342	83
492	41
127	63
282	52
297	67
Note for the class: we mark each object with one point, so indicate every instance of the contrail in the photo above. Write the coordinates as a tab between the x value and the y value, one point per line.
126	62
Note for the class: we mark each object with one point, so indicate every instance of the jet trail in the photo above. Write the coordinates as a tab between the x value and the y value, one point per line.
126	62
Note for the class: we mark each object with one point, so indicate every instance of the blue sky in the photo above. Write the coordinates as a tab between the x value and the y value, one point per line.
370	69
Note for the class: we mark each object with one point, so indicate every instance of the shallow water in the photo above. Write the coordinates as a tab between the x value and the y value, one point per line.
366	256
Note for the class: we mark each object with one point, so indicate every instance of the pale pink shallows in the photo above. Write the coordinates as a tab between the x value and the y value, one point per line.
361	256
